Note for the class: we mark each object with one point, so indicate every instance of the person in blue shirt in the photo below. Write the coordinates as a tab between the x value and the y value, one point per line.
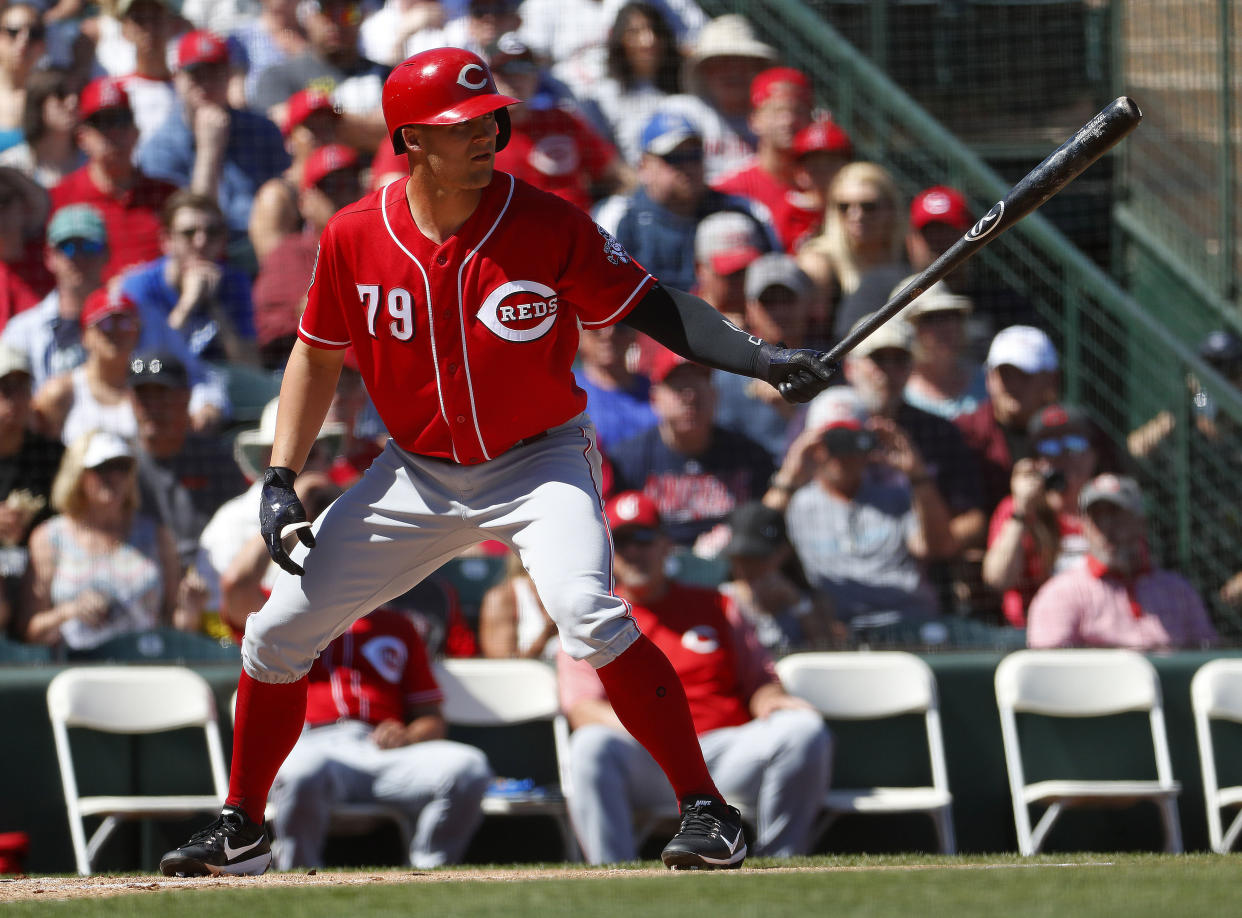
618	399
657	223
201	296
208	146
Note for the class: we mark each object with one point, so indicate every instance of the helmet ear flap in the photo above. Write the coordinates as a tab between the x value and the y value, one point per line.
503	128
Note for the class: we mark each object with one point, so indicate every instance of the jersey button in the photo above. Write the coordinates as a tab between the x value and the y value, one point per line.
452	368
461	419
441	259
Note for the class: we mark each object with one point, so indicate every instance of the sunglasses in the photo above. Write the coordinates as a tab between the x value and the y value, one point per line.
691	157
117	466
74	247
634	536
867	207
1057	446
211	231
890	357
113	120
342	14
35	32
117	322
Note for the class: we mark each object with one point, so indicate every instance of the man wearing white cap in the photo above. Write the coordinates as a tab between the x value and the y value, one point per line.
1117	599
1022	377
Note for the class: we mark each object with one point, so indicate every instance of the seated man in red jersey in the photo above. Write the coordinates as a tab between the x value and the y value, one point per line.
373	733
765	748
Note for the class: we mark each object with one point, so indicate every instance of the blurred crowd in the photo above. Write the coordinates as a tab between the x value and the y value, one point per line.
167	166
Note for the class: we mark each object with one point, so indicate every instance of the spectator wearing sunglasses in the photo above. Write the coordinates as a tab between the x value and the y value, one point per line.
332	63
208	146
129	199
201	295
1037	531
49	118
22	43
49	335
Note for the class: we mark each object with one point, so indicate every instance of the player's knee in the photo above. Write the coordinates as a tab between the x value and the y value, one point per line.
469	772
268	657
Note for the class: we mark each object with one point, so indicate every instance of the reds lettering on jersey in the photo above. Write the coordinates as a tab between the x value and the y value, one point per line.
466	347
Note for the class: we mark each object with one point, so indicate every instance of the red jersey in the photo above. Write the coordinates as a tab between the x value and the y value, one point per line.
713	649
467	347
792	212
131	218
375	671
1071	552
557	152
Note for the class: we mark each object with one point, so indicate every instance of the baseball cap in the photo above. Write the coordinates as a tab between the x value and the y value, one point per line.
250	446
1025	347
158	368
776	80
756	530
76	221
102	94
936	298
730	35
105	446
822	136
327	159
775	269
666	361
201	47
632	508
304	103
836	406
940	204
664	132
728	240
104	302
1223	350
895	333
507	50
1057	419
1121	490
13	361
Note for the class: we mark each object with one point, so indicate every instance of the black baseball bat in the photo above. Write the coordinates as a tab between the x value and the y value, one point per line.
1062	166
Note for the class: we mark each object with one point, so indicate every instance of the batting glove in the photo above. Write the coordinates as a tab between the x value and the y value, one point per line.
282	513
799	374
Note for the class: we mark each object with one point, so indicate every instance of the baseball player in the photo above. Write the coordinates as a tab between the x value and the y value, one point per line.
462	291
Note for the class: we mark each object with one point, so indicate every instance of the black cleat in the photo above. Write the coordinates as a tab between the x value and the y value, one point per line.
710	837
232	844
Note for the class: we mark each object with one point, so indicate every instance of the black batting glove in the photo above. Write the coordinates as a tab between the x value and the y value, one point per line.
282	513
799	374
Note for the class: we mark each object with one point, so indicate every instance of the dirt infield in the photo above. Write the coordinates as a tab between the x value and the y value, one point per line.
31	889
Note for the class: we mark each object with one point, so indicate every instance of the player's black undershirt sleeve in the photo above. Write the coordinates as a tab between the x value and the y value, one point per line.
693	328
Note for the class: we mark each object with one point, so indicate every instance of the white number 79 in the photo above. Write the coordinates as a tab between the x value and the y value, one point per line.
400	309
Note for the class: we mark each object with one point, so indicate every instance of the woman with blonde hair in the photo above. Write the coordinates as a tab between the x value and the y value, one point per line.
864	229
99	568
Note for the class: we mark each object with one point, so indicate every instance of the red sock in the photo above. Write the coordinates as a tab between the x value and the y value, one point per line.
267	723
649	700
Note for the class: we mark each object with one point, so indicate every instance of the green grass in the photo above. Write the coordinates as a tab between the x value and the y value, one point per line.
1133	886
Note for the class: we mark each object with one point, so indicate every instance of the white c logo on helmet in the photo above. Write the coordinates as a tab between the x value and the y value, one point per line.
494	316
465	81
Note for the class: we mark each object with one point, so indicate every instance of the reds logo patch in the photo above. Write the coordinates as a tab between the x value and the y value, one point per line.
613	250
464	80
520	311
387	655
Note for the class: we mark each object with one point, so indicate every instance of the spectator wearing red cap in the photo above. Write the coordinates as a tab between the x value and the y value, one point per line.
553	149
129	199
762	746
200	293
695	471
330	181
938	217
780	110
311	121
95	395
208	146
22	43
332	62
820	149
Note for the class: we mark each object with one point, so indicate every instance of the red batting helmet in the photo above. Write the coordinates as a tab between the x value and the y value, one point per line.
443	86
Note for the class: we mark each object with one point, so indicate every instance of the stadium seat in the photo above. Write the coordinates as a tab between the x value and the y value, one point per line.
1082	684
1216	694
871	686
131	700
510	709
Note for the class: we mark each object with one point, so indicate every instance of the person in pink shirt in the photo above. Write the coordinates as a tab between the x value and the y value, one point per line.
1118	598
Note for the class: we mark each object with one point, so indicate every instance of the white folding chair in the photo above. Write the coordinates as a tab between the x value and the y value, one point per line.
130	700
506	693
1082	683
1216	694
870	686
